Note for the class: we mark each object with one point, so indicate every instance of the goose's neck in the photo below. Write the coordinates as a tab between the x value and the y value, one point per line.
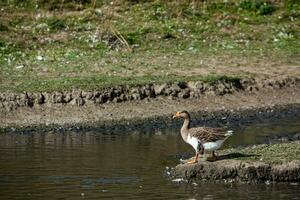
185	128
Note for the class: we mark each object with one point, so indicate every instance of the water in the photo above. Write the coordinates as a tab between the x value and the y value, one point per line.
93	165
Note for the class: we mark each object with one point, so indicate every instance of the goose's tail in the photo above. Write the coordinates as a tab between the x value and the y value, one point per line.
229	133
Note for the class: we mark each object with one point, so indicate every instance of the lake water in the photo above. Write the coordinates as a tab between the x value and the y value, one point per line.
94	165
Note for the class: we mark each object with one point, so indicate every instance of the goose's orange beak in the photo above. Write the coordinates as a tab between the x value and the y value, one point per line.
176	115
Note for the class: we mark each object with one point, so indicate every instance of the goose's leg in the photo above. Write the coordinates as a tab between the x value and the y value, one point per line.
195	160
200	150
213	157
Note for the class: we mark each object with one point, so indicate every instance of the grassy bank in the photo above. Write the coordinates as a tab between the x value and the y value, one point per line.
92	44
273	153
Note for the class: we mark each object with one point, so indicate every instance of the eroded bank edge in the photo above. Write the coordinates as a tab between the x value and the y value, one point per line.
184	90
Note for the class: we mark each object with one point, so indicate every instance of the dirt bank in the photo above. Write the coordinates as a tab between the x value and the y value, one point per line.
278	162
156	109
240	171
177	90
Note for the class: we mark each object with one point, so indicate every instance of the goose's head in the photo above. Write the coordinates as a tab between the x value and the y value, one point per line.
182	114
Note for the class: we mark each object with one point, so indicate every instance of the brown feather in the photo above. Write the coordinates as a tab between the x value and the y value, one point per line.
206	134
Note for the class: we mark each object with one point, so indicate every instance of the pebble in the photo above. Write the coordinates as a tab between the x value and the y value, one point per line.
267	182
178	180
194	184
19	66
40	58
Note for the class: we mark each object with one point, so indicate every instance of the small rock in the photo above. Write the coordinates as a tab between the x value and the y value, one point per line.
123	97
87	95
20	66
178	180
194	184
68	97
171	97
159	89
184	94
57	97
77	101
39	98
136	96
40	58
10	106
117	100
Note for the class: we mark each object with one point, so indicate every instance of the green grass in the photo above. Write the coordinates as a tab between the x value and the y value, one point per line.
98	82
71	45
273	153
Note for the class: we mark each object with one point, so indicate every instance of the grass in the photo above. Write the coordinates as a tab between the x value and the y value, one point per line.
273	153
100	81
46	47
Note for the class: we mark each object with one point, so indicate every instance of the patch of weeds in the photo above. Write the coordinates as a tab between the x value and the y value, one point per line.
258	6
160	12
15	21
3	27
266	9
220	6
25	4
291	46
56	24
291	4
135	37
65	4
169	31
8	48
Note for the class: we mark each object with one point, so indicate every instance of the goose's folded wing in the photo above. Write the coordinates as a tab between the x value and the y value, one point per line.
205	134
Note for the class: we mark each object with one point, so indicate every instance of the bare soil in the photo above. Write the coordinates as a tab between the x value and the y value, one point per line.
161	107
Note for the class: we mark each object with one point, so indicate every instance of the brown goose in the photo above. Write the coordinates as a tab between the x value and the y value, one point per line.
202	138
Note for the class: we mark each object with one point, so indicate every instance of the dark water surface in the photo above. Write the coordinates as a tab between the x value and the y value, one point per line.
93	165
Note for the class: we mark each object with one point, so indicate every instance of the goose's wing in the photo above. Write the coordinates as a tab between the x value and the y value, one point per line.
206	134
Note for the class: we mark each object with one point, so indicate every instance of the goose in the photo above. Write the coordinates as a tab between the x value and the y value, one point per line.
202	138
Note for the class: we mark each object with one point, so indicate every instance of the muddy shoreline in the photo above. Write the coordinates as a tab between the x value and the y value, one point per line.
208	118
276	100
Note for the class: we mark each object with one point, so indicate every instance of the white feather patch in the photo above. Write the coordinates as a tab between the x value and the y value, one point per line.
193	141
211	146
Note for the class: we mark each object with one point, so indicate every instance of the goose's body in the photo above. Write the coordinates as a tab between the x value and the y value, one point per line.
202	138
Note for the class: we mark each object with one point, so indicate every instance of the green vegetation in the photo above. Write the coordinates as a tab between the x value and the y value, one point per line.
273	153
91	44
97	82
